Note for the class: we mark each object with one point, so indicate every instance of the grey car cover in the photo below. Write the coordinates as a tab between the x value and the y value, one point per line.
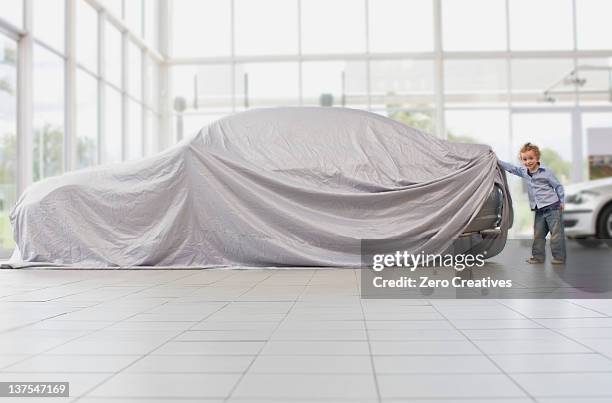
267	187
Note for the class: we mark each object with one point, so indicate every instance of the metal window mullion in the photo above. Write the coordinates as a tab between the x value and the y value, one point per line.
509	78
101	87
25	102
577	149
164	79
367	61
299	49
125	80
10	29
232	54
144	93
439	70
70	139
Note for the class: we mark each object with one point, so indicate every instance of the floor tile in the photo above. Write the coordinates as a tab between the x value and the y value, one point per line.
316	348
312	364
566	385
73	363
553	362
432	364
192	363
415	334
450	347
306	386
530	346
461	386
167	385
211	347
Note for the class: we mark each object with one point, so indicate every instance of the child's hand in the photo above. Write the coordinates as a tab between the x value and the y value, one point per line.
561	207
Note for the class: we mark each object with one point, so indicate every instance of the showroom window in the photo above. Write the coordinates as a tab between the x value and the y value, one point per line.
113	139
593	24
267	84
48	22
8	139
472	31
323	32
334	83
401	26
401	83
531	77
201	28
48	140
541	25
271	33
86	119
12	11
114	54
476	82
87	39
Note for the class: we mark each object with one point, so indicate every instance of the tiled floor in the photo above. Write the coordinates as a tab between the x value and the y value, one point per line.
292	336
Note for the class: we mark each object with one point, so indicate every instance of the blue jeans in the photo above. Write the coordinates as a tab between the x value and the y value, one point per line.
545	222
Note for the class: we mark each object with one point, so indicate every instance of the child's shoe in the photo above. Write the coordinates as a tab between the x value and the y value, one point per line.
557	261
533	260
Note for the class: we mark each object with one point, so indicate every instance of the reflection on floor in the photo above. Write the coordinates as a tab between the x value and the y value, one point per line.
292	335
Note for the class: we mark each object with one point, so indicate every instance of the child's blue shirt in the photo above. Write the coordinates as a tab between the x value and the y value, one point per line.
543	187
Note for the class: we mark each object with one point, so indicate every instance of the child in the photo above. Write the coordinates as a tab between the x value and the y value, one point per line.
546	198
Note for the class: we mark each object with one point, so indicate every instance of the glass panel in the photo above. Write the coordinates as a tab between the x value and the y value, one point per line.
48	22
202	87
8	140
135	70
151	137
271	32
324	32
401	83
86	119
422	119
48	86
114	55
267	84
134	134
151	22
334	83
532	77
541	24
12	11
152	82
213	86
184	87
113	126
201	28
552	132
593	121
401	25
473	82
114	6
465	21
191	124
87	38
593	24
596	87
490	127
133	16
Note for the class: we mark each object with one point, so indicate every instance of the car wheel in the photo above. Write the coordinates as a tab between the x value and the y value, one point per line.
589	242
604	225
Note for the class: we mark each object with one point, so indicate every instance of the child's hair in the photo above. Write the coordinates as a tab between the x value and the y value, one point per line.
530	147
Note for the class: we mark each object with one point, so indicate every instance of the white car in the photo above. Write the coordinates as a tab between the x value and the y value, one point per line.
588	211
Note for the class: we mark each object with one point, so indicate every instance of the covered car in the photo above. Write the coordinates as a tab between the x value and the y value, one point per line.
268	187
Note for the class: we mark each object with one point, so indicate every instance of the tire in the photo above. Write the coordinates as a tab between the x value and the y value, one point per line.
604	225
